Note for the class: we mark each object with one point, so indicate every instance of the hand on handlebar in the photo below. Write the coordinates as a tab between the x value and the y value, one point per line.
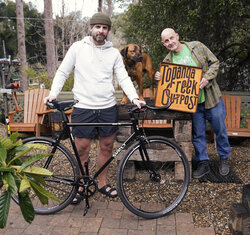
139	103
48	99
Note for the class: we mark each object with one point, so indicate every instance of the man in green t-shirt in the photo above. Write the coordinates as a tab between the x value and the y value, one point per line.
210	103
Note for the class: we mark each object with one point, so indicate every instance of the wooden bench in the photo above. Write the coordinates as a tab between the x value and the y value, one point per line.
233	117
34	112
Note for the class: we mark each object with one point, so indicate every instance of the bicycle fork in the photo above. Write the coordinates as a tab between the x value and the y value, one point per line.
148	164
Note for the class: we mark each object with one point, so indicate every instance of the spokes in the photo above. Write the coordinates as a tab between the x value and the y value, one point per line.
62	183
160	180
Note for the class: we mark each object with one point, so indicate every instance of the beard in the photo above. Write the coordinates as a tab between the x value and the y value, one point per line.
100	38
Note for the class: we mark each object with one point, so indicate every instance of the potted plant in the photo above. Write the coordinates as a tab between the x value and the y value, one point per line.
19	177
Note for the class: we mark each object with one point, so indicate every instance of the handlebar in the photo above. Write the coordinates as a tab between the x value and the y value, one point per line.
145	107
64	105
9	61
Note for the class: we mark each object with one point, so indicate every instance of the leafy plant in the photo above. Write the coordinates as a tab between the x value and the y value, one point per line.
19	177
38	76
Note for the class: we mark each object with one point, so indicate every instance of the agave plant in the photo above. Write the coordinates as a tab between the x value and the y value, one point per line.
19	177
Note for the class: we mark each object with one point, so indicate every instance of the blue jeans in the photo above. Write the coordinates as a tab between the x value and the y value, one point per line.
216	117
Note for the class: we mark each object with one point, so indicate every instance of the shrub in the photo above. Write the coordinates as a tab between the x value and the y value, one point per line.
19	177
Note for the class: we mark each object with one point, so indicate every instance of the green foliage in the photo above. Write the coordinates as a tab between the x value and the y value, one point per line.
19	177
7	27
221	25
39	76
33	24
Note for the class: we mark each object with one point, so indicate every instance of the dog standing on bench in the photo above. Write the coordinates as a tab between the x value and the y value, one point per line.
136	64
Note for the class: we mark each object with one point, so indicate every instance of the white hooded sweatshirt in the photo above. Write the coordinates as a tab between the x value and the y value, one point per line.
93	74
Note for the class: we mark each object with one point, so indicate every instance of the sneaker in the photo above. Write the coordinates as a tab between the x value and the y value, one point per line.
202	169
224	168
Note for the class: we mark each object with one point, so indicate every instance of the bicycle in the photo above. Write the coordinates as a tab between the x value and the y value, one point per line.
153	192
7	89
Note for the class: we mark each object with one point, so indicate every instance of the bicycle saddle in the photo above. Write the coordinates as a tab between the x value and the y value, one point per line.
62	105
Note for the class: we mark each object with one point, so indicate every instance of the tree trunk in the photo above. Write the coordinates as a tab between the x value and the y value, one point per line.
49	38
110	8
100	5
63	30
110	12
21	44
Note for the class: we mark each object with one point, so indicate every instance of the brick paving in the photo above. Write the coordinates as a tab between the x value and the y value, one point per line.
103	218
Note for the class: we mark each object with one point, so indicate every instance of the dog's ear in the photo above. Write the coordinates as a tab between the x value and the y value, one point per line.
124	52
140	49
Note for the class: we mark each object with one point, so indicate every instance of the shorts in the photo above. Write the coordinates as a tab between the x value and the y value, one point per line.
109	115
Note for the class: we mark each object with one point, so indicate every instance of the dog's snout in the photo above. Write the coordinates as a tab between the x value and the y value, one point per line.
138	58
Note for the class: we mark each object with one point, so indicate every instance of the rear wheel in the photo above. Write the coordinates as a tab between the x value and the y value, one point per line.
62	183
153	188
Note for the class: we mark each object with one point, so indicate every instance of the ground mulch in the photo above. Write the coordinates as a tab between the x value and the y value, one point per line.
208	202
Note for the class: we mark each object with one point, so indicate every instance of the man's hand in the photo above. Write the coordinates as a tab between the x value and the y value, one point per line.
203	83
157	76
138	103
48	98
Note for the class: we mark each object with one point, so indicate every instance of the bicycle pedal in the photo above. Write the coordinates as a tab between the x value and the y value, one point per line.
86	209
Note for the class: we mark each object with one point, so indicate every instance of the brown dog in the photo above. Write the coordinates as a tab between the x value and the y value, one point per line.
137	63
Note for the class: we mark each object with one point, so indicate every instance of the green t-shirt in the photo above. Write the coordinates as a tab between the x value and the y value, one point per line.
184	57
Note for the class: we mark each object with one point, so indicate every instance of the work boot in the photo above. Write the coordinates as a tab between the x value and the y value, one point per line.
202	169
224	168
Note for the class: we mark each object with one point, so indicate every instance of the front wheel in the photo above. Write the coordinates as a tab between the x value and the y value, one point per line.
152	182
65	172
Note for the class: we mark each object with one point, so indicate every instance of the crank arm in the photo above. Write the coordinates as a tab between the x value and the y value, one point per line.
86	206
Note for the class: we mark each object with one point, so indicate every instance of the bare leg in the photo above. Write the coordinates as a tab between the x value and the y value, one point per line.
83	148
106	148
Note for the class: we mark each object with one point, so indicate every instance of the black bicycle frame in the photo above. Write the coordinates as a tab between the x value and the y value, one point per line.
66	130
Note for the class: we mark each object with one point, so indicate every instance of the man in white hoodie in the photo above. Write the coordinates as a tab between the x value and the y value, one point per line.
94	61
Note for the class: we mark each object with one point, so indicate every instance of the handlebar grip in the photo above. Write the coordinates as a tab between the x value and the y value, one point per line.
51	104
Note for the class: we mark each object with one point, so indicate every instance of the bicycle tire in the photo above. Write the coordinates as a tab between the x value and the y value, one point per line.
147	194
62	183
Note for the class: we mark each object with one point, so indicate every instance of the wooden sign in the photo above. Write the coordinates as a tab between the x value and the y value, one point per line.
179	84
